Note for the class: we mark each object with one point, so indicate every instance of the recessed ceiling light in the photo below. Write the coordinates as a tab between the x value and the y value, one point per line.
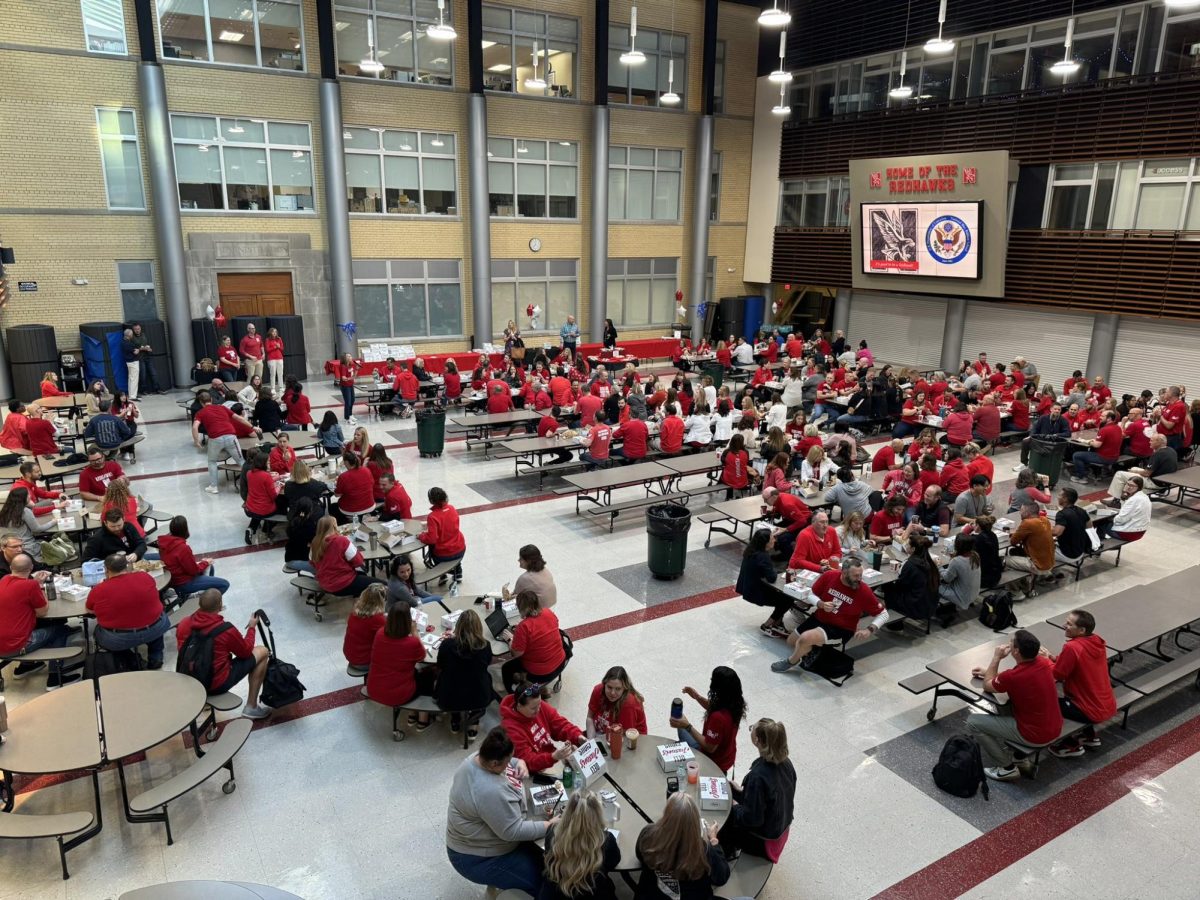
231	37
500	67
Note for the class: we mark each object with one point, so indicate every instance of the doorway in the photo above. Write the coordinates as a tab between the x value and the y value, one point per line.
255	294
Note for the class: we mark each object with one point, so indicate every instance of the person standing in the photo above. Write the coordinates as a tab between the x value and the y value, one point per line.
251	349
610	334
274	350
344	372
131	354
569	336
217	420
148	379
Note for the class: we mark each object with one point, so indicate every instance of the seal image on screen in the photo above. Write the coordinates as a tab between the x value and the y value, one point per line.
894	235
948	239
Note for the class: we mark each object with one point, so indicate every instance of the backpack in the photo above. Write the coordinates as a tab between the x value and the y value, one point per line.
997	612
568	646
196	655
99	663
959	769
830	663
282	685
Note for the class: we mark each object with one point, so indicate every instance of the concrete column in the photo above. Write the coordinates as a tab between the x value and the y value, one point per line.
480	221
337	215
952	334
598	288
841	312
698	251
168	233
1104	343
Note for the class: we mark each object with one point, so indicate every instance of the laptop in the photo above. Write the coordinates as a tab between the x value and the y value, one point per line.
496	622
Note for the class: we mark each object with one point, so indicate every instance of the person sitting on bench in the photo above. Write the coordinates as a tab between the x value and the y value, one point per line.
1031	717
22	605
1132	520
537	645
765	799
1106	449
1163	461
442	533
393	678
1035	537
794	515
534	726
128	611
1082	667
235	656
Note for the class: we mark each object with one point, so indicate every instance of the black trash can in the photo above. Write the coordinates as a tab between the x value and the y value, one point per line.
716	371
431	431
667	526
1046	457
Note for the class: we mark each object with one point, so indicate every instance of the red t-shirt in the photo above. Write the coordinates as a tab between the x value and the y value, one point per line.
636	436
917	450
500	402
1139	441
261	491
217	420
397	502
670	434
356	490
1019	411
602	389
377	471
793	511
560	391
547	425
537	639
40	434
724	357
884	459
20	598
1170	421
1111	437
848	606
391	680
274	348
127	601
360	637
229	356
442	531
588	406
735	469
882	524
298	409
1034	699
345	374
251	346
601	439
632	714
987	422
334	571
720	728
281	460
95	481
452	381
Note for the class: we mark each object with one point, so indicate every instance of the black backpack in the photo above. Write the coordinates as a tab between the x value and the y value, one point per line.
830	663
196	655
997	612
282	684
959	770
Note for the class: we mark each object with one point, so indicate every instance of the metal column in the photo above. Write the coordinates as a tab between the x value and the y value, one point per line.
952	334
1104	343
478	210
598	244
702	185
841	312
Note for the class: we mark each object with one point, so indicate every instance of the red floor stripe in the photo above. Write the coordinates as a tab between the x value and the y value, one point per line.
974	863
638	616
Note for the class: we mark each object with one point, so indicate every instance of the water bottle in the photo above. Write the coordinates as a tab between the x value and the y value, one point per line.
354	522
681	774
568	779
677	708
51	590
936	532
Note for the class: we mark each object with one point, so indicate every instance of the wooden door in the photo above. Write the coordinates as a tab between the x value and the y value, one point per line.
256	294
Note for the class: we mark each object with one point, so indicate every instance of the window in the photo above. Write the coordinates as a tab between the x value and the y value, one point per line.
509	36
710	279
532	179
642	291
408	298
1081	196
121	158
104	26
1158	194
263	33
394	34
714	190
242	164
815	203
719	80
643	84
136	283
548	283
643	184
1181	45
408	173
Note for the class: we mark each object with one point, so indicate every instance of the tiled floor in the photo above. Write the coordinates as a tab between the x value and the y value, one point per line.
328	806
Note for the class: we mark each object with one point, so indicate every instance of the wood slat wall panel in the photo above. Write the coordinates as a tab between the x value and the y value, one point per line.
1128	272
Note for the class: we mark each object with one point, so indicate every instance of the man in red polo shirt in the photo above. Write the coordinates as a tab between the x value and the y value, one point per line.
794	516
1106	448
817	546
1082	667
597	442
217	421
1031	716
635	436
670	431
251	349
841	601
128	611
1172	420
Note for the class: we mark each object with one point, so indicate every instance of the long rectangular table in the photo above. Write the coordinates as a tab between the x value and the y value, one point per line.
597	487
1186	482
481	429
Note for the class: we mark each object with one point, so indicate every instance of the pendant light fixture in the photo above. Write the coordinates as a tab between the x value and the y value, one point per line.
670	98
633	56
535	82
781	75
1182	4
1068	65
370	65
782	108
441	31
903	91
939	44
437	141
774	17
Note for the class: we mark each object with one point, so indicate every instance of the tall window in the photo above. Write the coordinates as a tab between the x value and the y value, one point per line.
719	80
104	26
396	38
243	164
136	281
710	279
642	291
644	183
121	159
264	33
814	203
1081	196
408	173
409	298
643	84
519	283
714	190
532	179
508	39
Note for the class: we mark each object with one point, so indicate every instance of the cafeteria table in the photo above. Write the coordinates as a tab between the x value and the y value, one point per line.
300	440
597	487
1186	482
704	462
743	511
480	429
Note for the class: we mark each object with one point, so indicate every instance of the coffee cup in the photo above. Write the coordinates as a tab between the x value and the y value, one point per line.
631	738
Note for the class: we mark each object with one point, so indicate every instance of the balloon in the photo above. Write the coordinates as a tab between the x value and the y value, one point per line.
210	312
349	328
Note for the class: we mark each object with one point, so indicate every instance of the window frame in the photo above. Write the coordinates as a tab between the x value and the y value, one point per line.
123	138
624	277
516	162
123	286
220	143
655	169
516	37
830	187
418	153
714	189
617	45
426	281
116	6
517	279
415	21
719	78
210	43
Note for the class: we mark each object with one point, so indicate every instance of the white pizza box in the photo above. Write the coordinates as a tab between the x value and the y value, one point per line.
392	526
432	640
393	539
714	793
671	755
588	762
545	797
450	620
420	619
871	576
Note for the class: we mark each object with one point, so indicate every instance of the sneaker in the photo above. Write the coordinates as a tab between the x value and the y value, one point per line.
1018	467
212	489
1091	742
1075	479
352	421
28	668
777	631
255	712
249	537
54	683
154	665
1006	773
782	665
1067	749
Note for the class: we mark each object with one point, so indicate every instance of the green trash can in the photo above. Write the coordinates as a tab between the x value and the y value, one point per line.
431	431
1046	457
716	371
667	526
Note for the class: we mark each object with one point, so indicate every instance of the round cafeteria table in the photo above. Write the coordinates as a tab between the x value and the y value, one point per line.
208	890
142	709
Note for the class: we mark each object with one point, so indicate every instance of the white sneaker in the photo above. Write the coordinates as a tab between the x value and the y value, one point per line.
212	489
1018	467
255	712
352	421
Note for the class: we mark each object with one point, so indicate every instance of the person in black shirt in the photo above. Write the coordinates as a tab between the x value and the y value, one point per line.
571	872
267	414
1070	528
859	409
302	484
675	851
464	683
988	547
301	528
610	334
766	796
115	535
756	569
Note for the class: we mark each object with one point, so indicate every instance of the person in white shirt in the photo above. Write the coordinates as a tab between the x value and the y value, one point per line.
743	353
777	414
698	427
249	394
1132	520
710	393
793	390
816	466
722	427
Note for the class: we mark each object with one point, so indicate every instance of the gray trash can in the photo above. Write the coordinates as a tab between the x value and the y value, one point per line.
1046	457
431	431
667	526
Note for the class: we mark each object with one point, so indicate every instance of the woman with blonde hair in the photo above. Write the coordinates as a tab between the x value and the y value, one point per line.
765	799
464	684
50	386
615	701
816	467
360	444
366	619
677	856
852	534
580	853
301	484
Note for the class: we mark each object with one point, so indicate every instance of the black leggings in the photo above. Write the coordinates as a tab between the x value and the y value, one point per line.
1070	711
360	583
510	670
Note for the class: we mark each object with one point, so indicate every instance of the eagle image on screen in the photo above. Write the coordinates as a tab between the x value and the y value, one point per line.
941	240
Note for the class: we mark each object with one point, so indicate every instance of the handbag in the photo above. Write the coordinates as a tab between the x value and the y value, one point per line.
282	685
92	572
58	550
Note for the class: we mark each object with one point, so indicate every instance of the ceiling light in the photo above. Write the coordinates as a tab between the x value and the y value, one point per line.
901	91
1067	65
535	82
1183	4
235	129
437	141
297	154
231	37
670	98
940	44
781	75
203	148
564	143
521	148
782	108
774	17
370	65
633	56
486	44
500	67
441	31
341	26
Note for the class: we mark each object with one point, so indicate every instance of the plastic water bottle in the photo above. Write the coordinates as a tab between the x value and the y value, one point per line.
354	522
936	532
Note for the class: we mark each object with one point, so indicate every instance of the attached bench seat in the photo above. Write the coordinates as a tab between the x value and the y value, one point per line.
922	682
1124	695
314	595
423	704
31	826
1107	545
747	877
1168	673
219	756
45	654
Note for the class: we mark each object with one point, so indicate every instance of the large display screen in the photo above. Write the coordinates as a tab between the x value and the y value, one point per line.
942	240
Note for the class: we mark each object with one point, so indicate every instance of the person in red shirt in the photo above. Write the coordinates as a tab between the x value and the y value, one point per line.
218	424
406	389
724	355
888	457
128	611
735	466
841	600
262	496
355	488
882	522
188	574
499	398
1019	412
451	381
12	436
794	347
601	387
22	603
635	437
442	532
539	398
235	656
1172	419
533	726
1099	390
1032	714
42	500
1106	449
393	678
344	373
1082	667
274	351
954	478
997	379
794	515
397	505
93	481
299	410
378	464
978	464
337	561
615	701
251	348
282	458
1076	380
40	433
1135	428
560	389
959	426
981	366
986	422
228	361
817	546
1075	418
50	387
724	709
537	646
597	441
670	432
915	408
926	442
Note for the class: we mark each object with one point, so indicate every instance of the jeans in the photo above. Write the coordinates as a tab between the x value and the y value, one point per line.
1085	458
686	737
151	636
347	402
848	420
519	870
457	572
275	373
132	373
220	448
904	429
818	410
48	636
202	583
302	565
147	373
360	583
592	462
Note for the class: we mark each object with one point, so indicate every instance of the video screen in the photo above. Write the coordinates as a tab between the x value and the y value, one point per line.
940	240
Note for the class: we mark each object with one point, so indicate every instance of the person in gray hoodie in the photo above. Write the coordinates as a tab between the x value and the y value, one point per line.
488	839
959	587
850	494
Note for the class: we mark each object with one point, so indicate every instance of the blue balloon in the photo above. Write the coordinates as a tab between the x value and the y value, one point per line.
350	328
